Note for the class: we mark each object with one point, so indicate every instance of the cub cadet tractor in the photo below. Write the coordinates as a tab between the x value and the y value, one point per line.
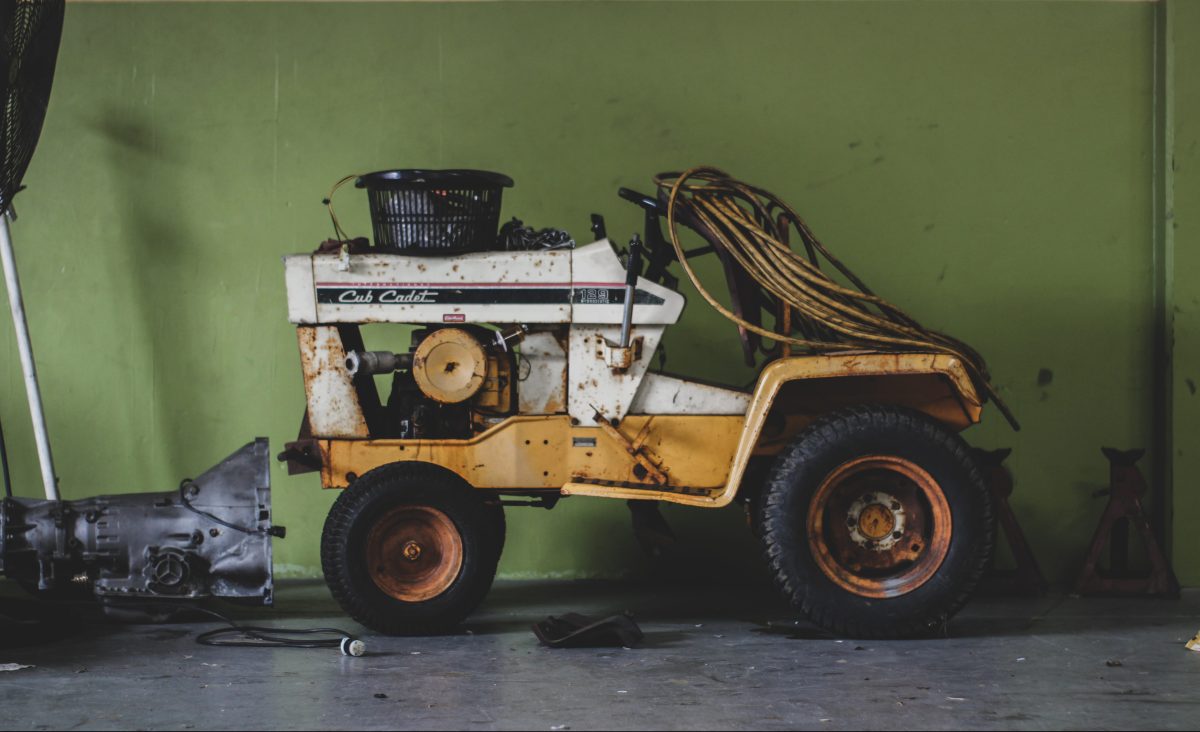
529	378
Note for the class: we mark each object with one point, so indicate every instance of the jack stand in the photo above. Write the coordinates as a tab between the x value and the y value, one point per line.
653	533
1127	486
1026	578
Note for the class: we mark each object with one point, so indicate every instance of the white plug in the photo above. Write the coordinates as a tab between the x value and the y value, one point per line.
353	647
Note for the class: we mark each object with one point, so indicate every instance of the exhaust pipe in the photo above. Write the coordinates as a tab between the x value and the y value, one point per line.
209	538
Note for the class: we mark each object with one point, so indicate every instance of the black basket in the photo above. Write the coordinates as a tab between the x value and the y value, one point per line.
435	212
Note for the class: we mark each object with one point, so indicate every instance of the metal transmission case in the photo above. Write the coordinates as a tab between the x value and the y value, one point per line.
209	538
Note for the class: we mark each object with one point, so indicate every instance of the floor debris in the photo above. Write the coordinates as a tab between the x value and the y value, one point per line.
1194	644
12	666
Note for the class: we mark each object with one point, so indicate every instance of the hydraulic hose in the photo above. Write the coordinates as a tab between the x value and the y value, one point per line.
750	226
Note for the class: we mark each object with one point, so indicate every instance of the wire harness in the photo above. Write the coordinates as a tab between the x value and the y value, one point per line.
751	226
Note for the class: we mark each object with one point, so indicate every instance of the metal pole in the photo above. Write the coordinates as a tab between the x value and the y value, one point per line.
17	305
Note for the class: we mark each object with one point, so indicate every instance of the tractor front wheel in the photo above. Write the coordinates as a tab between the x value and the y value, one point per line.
409	548
876	523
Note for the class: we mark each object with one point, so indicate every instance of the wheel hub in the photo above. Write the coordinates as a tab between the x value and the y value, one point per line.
879	526
414	553
876	521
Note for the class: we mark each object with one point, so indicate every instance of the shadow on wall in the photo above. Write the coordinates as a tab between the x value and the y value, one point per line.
149	248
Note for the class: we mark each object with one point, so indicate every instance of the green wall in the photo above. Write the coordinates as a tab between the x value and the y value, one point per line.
1183	231
987	165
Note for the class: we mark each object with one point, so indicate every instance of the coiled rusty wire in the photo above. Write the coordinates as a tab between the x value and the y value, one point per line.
750	225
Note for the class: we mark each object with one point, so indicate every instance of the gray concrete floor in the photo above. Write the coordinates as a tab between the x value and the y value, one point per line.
714	658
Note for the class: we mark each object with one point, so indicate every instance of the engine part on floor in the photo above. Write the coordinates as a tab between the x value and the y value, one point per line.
209	538
1126	489
573	630
747	226
1026	577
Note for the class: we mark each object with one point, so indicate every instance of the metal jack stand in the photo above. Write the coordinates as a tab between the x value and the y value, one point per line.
1026	578
1127	486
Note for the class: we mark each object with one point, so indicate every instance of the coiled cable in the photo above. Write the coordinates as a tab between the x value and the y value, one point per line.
750	226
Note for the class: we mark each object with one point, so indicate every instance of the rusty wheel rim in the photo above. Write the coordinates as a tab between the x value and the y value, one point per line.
414	553
879	526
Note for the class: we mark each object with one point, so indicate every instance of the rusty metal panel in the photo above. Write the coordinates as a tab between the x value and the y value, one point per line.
298	276
593	384
333	405
543	389
662	394
547	452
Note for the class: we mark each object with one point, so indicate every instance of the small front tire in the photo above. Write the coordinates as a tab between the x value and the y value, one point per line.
410	548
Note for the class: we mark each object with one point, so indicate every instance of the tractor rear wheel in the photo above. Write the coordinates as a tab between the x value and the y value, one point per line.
410	548
876	523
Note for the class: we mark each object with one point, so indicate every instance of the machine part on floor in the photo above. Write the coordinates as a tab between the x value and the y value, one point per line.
532	377
1026	577
1126	489
572	630
743	223
209	538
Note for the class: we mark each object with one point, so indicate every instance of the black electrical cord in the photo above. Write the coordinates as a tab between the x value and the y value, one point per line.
4	463
244	636
186	483
256	636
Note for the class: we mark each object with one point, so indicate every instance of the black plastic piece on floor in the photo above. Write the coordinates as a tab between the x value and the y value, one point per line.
573	630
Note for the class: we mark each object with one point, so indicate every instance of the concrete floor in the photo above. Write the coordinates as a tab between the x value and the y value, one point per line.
714	658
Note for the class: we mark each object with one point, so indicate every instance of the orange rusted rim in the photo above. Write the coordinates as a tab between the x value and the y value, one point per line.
414	553
879	526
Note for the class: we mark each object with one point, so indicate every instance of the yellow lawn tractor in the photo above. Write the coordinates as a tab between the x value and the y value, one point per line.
530	377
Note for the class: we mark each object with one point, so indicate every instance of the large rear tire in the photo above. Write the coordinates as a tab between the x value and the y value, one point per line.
410	548
876	523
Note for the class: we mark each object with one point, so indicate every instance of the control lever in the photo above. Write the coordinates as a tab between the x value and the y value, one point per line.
598	228
633	266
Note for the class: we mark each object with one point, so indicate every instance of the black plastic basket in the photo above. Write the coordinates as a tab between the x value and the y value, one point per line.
435	212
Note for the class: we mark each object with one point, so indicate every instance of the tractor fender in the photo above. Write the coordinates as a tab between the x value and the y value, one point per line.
937	384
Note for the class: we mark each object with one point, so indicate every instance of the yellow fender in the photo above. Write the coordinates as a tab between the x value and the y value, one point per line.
937	384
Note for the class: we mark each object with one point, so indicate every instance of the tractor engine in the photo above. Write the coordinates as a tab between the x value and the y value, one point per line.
450	378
